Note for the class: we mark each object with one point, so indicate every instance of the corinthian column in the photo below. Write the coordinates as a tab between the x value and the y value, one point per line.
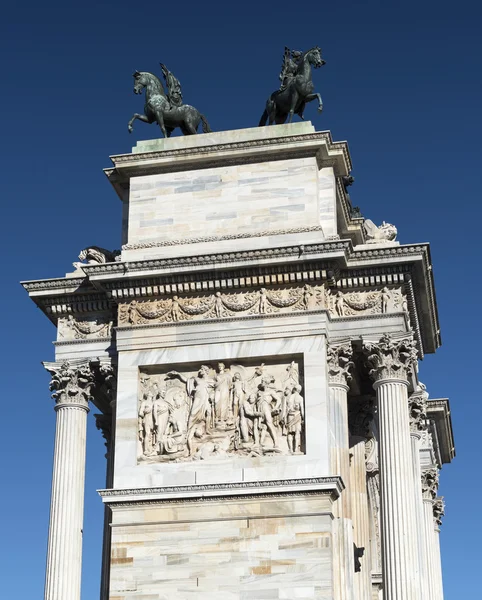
418	416
429	492
106	424
339	366
438	513
72	390
390	362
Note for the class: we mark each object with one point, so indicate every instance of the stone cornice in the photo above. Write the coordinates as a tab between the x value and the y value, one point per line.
335	262
439	417
319	145
331	486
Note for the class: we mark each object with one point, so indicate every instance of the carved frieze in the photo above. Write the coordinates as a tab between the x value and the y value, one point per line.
390	358
209	411
263	301
74	328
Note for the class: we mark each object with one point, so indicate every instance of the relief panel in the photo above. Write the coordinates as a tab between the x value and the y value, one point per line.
203	411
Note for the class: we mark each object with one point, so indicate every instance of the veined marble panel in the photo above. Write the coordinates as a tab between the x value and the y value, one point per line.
248	549
220	463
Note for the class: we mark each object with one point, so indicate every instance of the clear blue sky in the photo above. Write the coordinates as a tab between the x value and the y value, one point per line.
402	84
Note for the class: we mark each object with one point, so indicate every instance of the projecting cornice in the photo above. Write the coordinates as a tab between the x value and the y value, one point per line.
336	264
439	417
319	145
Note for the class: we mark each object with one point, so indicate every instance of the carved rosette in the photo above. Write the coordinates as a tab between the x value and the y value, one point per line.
390	358
438	510
417	404
339	359
430	480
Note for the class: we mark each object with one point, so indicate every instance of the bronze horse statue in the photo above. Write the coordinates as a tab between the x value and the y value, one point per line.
167	111
297	87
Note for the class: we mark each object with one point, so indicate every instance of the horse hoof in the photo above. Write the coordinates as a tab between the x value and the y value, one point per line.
320	109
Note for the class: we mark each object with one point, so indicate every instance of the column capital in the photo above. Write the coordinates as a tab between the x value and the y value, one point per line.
74	382
438	510
71	383
417	405
339	359
429	480
390	358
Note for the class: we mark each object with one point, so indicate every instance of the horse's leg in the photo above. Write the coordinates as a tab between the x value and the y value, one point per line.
140	117
169	131
190	125
293	103
315	96
160	121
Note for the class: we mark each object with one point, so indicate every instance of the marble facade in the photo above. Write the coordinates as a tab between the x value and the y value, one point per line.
252	354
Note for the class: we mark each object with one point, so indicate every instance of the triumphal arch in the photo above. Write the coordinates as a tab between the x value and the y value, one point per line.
252	356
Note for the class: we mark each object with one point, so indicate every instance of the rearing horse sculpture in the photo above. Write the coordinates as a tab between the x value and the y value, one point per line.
167	111
297	91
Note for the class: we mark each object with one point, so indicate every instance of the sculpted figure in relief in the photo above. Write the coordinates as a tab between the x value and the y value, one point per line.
293	418
212	412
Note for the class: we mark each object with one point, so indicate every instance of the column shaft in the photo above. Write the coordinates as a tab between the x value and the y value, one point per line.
361	521
398	523
340	464
422	554
428	531
64	555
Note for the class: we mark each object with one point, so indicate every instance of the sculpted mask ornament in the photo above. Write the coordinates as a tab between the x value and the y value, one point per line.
221	410
390	358
339	364
430	480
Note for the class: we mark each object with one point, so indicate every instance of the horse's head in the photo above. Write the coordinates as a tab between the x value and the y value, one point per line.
140	82
314	57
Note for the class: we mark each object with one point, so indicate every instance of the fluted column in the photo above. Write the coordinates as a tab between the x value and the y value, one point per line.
438	513
71	386
418	415
429	486
390	360
339	366
106	375
361	521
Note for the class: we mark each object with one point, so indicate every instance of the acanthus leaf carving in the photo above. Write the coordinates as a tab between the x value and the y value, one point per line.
418	409
438	510
339	359
430	481
77	382
390	358
71	384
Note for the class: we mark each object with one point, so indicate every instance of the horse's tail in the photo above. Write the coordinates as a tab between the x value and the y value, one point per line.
264	118
206	128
